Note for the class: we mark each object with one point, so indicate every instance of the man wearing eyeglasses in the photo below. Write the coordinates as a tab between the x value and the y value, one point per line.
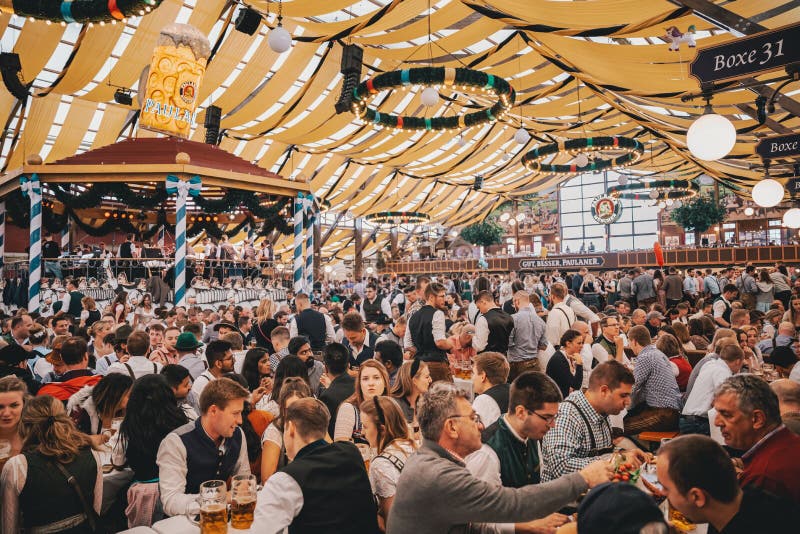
437	481
582	432
609	345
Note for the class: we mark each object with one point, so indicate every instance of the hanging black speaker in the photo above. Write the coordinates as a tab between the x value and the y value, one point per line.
247	20
352	57
213	117
11	70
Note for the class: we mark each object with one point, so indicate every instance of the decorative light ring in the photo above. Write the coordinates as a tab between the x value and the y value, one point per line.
632	149
666	189
457	78
81	11
398	217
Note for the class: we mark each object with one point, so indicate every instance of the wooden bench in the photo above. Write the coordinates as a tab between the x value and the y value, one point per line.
695	356
653	439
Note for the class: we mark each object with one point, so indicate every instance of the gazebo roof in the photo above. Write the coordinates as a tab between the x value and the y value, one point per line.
151	160
162	151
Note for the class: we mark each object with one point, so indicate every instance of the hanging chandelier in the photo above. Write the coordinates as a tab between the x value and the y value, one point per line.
397	217
582	149
656	190
459	79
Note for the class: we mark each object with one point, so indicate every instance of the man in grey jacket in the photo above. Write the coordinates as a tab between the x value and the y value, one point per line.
643	290
436	480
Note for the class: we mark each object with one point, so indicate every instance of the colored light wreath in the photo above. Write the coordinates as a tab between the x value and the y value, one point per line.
667	190
398	217
633	151
81	11
457	78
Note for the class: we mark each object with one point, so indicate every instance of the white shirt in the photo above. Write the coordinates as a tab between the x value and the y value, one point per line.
487	408
278	503
238	360
140	366
795	374
712	374
201	382
719	307
581	310
559	320
481	337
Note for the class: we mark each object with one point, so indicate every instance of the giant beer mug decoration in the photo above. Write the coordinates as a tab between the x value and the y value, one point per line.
169	98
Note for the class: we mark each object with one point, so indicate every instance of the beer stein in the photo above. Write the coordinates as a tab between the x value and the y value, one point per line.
213	506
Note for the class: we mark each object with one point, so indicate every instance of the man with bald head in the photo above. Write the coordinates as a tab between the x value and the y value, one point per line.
788	392
638	317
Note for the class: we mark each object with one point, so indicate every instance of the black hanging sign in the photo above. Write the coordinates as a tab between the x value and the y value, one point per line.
793	187
562	262
748	56
779	146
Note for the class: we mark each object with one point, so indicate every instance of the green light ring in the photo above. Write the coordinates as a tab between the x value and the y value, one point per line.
667	189
430	76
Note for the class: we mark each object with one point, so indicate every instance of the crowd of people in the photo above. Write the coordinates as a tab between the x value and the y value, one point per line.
455	403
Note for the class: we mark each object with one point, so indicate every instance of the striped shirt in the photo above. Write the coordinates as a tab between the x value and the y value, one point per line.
655	383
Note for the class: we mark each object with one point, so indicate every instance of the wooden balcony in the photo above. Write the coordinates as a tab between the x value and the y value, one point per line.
699	257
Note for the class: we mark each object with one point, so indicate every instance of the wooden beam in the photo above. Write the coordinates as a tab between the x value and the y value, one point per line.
332	227
358	260
317	229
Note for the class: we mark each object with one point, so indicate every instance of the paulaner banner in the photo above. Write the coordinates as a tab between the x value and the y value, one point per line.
169	101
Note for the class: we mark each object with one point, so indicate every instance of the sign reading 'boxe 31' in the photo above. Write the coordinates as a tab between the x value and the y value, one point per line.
748	56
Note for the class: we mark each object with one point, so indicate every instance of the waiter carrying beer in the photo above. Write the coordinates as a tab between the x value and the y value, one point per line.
426	337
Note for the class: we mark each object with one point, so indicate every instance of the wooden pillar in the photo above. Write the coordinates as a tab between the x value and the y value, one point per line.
317	229
358	243
394	238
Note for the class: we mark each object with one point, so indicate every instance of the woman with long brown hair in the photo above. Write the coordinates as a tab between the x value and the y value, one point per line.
385	428
372	380
273	453
413	379
56	484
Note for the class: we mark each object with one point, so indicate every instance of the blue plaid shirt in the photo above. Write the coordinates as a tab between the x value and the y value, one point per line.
655	383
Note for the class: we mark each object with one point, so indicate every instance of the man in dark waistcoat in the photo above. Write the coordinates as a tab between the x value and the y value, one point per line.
324	488
426	335
211	448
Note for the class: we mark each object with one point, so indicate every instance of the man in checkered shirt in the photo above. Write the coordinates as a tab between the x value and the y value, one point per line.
582	432
656	399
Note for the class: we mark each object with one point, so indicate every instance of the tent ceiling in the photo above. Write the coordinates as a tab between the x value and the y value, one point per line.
579	68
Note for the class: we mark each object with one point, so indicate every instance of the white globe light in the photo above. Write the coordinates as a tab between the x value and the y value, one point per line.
711	137
748	211
661	205
792	218
328	268
429	97
622	180
512	222
670	202
504	217
705	179
654	194
522	136
520	217
678	204
768	193
581	160
279	40
370	270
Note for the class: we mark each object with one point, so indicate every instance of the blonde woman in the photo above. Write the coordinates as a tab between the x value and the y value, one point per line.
264	324
13	394
53	452
90	313
386	431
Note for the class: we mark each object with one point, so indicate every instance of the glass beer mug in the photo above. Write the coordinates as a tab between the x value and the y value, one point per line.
243	501
213	508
